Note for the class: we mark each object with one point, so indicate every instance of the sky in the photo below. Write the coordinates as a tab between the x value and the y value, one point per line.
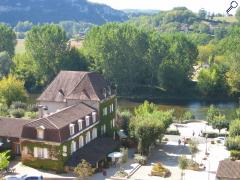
216	6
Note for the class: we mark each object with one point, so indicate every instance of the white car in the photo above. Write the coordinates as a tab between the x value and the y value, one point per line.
24	177
221	139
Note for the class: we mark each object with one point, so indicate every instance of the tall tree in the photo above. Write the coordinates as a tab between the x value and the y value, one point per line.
48	46
230	47
12	89
119	51
5	63
7	39
177	68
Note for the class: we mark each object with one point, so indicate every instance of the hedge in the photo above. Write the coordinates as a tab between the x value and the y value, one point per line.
233	143
235	155
45	164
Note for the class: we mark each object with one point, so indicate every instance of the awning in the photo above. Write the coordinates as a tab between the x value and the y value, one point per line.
94	151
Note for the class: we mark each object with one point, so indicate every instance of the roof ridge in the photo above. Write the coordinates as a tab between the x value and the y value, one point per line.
78	82
93	88
49	115
52	123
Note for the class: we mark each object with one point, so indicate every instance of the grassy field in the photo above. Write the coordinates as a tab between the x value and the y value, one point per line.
20	47
229	19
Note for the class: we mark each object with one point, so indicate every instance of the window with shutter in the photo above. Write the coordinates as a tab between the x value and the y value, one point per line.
73	147
94	114
71	128
45	153
35	152
88	137
105	111
81	143
80	126
87	120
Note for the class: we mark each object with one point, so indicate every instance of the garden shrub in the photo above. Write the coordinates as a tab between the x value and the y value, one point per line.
18	105
235	154
4	111
233	143
31	115
210	134
193	165
17	113
234	128
140	159
45	164
121	173
32	108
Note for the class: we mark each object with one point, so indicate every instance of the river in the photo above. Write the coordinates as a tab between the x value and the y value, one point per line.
198	108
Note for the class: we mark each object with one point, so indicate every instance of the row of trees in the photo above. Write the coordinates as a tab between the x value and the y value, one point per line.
126	55
222	76
47	52
132	57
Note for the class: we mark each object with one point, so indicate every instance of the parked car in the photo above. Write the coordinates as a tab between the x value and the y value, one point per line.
220	139
24	177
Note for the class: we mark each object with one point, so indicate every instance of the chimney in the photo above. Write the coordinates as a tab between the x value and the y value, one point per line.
42	111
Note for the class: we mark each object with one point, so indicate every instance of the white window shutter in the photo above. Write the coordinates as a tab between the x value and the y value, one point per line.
35	152
45	151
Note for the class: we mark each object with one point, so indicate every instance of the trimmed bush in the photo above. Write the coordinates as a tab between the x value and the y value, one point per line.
32	108
17	113
235	155
18	105
140	159
234	129
210	134
45	164
31	115
233	143
121	173
4	111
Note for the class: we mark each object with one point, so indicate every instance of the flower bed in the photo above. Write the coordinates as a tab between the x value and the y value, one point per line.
159	170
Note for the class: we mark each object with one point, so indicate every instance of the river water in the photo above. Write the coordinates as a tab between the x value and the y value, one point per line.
198	108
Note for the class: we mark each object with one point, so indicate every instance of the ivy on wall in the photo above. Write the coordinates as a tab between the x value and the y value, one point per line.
106	119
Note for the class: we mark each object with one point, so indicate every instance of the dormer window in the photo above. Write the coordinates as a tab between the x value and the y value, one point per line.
94	117
105	111
71	128
40	132
87	120
111	108
80	126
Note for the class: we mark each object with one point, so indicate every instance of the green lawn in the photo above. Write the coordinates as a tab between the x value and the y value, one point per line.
20	48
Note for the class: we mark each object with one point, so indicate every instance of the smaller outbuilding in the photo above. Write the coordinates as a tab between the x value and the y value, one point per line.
228	170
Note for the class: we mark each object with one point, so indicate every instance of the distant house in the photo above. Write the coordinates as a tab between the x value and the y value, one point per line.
77	121
228	170
10	134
